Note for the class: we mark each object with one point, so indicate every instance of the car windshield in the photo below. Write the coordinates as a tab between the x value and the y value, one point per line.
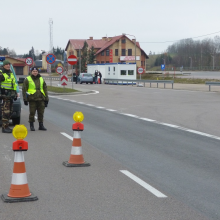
86	74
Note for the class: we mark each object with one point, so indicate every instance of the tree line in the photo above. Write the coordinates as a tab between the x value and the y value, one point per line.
192	53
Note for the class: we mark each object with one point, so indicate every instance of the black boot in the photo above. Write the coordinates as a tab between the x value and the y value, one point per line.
32	126
41	126
6	130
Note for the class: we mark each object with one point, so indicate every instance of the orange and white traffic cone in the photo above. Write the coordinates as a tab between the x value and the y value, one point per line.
76	156
19	190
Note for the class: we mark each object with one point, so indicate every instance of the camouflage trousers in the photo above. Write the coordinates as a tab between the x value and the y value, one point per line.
38	106
7	109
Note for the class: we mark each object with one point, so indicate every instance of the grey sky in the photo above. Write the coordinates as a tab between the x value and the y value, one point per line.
26	22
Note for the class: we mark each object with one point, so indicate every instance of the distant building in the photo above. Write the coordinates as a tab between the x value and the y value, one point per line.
111	50
19	65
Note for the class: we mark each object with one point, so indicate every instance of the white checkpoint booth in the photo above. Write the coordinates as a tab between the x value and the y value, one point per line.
114	70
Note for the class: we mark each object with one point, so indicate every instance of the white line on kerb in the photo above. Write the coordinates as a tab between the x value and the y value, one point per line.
144	184
66	135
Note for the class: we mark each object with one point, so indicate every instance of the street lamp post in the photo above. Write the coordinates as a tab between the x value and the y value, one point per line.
213	62
134	49
190	62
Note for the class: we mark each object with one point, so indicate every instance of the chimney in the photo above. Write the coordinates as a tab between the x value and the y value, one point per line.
104	38
90	38
109	38
133	40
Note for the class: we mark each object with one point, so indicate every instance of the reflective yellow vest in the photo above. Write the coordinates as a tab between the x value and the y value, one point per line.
32	86
10	82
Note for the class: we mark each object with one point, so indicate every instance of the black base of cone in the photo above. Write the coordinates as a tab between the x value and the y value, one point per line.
8	199
66	164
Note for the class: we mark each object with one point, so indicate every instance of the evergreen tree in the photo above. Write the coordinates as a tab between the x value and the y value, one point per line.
84	57
91	58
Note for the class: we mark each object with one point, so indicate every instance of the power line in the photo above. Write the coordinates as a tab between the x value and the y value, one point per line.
181	39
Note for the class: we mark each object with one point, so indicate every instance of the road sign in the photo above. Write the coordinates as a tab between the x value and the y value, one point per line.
72	59
162	66
140	70
64	80
50	58
59	69
29	61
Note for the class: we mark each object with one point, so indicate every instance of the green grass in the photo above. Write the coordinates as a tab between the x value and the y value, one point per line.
176	80
57	89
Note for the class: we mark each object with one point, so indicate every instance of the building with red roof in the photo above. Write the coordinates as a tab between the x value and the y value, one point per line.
118	49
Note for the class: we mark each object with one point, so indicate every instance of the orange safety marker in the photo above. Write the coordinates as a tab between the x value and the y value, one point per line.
76	157
19	190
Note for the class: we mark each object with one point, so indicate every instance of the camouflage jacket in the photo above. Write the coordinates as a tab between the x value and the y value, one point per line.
10	94
37	96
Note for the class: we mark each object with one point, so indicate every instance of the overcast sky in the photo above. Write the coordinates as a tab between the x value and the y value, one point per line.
25	23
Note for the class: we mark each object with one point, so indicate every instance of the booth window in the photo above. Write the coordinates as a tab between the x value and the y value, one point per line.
116	52
130	72
129	52
123	72
102	53
114	68
109	68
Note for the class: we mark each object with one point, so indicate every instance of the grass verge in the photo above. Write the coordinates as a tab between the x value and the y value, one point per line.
176	80
57	89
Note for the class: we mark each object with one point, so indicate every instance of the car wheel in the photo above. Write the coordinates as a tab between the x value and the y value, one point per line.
86	83
80	82
91	83
16	121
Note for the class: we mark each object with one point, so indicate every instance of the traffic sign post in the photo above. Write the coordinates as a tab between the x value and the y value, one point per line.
29	61
140	71
64	81
50	59
72	60
59	70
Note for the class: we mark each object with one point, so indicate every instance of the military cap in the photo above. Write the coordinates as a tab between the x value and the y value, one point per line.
5	62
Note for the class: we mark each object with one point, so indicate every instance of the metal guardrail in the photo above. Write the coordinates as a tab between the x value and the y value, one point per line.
210	83
121	81
55	78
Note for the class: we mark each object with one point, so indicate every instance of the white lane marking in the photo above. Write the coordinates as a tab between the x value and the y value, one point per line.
157	122
99	107
170	125
147	119
134	116
66	135
111	110
81	102
144	184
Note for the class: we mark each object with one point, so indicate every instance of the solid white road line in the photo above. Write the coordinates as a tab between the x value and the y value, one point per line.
66	135
99	107
144	184
111	110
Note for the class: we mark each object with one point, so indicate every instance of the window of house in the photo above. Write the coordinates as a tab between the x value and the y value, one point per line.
102	62
123	72
130	72
123	41
107	52
107	62
77	53
141	63
97	61
116	52
123	52
103	53
129	52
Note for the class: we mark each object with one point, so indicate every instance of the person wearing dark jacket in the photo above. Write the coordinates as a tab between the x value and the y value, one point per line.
35	93
8	93
96	77
100	77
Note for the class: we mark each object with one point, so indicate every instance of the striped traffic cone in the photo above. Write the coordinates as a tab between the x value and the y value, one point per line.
19	190
76	156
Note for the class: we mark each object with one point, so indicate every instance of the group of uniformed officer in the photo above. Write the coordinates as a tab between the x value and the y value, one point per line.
34	92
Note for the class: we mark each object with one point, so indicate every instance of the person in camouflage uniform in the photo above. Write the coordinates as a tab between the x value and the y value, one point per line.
35	93
8	93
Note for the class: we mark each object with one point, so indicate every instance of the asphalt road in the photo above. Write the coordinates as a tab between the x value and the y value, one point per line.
182	165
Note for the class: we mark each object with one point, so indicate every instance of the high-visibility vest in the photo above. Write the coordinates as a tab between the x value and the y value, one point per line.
32	86
9	83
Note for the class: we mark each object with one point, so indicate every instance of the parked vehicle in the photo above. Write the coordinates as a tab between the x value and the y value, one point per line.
85	78
16	115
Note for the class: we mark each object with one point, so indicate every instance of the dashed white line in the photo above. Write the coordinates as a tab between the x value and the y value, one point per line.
66	135
144	184
153	121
